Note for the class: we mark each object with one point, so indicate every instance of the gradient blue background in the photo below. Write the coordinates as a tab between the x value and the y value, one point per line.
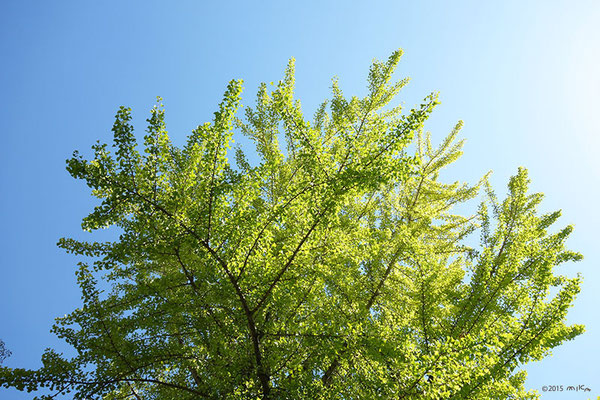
522	74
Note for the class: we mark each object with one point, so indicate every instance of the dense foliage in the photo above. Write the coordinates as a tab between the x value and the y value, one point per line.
333	267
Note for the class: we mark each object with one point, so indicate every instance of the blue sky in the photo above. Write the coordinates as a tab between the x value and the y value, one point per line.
522	75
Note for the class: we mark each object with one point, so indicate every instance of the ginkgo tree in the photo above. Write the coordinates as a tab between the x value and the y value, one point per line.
329	265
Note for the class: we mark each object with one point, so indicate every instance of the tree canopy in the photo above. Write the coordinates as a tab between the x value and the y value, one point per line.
332	267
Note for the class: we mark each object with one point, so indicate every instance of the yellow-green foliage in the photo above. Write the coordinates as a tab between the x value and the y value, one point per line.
333	267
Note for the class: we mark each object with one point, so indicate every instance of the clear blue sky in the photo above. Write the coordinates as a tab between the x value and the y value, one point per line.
523	75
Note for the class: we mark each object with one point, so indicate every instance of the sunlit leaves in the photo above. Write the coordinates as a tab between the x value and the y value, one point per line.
329	264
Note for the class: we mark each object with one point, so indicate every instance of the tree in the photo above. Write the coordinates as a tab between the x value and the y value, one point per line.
333	269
